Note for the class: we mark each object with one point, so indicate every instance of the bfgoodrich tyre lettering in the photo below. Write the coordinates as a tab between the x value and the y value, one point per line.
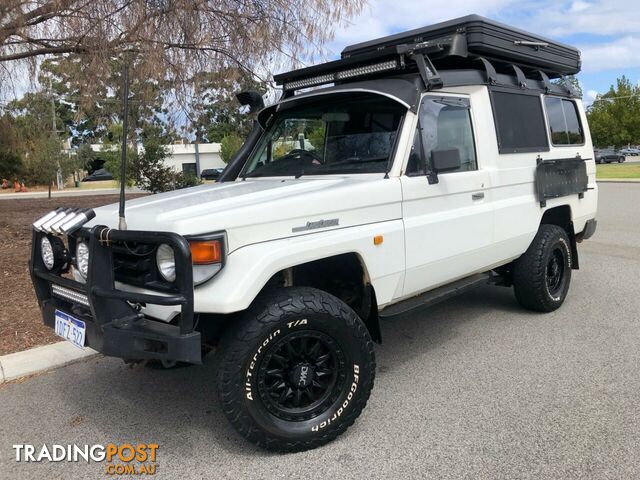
296	370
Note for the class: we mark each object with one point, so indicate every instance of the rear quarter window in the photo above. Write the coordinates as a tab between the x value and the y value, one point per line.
564	122
520	125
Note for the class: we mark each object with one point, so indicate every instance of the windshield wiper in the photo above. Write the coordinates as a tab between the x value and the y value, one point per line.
352	160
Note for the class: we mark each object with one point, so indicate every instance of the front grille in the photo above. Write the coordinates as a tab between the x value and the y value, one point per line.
69	295
135	264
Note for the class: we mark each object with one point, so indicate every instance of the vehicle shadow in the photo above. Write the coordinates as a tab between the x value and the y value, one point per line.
409	335
179	407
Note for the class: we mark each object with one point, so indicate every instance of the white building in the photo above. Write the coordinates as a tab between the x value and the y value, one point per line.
187	157
194	157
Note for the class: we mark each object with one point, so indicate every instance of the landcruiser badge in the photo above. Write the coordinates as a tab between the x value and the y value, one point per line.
333	222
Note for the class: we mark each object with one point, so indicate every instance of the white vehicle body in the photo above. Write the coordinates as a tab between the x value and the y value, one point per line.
439	159
469	222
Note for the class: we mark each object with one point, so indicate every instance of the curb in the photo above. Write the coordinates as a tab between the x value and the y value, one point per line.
39	359
618	180
67	193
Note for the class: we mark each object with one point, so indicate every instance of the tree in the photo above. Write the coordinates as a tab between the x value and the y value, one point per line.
229	145
614	117
111	154
88	159
34	120
149	170
44	160
172	40
215	110
11	164
572	81
166	45
90	108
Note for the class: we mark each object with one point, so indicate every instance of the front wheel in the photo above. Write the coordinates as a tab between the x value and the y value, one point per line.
296	370
621	159
541	276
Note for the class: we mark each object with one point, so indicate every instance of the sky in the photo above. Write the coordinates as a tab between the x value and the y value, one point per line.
606	32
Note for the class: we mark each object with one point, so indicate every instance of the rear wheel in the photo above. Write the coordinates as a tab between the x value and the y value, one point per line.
621	159
296	370
541	276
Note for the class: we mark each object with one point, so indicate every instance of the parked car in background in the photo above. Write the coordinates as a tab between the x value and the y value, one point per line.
630	151
211	173
608	155
98	175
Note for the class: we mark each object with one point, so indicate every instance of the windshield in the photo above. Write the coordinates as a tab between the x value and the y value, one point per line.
338	134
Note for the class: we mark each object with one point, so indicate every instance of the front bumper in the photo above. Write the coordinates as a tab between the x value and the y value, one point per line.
114	324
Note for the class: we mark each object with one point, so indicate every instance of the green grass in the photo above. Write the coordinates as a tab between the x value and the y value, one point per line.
618	170
98	184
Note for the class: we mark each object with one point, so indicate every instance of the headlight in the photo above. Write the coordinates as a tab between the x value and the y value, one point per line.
46	251
82	259
206	255
166	262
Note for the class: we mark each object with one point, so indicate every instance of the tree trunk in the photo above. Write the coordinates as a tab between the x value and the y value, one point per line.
49	190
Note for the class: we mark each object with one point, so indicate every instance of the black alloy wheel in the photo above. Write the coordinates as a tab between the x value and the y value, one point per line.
302	375
555	270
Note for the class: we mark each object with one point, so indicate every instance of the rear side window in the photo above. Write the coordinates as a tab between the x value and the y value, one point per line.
564	123
519	122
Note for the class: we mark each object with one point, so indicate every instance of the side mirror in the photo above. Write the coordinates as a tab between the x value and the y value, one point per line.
445	160
251	98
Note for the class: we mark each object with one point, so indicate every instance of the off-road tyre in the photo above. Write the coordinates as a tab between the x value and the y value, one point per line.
537	284
282	333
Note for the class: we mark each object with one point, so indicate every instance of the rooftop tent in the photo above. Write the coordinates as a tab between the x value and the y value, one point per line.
467	42
489	39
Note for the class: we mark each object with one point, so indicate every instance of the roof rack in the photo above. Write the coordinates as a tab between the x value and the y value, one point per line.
466	42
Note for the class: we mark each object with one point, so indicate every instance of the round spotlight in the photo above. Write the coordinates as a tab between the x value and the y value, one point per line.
46	251
82	259
166	262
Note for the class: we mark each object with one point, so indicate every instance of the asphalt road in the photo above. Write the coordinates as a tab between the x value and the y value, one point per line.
473	388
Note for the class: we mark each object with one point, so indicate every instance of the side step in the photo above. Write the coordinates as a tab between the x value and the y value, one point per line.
436	295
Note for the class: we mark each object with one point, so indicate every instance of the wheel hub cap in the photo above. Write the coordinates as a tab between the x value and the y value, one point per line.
302	375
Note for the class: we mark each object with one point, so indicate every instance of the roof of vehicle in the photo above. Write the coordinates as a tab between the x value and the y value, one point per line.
407	89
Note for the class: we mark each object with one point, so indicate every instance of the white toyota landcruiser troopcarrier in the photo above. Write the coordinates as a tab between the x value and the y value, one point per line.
423	164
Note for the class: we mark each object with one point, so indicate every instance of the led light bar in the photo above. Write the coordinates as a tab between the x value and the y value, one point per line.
367	69
309	82
341	75
70	295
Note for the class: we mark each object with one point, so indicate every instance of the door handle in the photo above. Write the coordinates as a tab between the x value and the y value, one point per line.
477	196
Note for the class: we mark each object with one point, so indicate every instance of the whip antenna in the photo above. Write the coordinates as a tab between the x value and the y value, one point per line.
122	224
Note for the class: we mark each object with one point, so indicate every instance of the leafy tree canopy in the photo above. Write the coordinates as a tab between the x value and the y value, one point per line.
614	117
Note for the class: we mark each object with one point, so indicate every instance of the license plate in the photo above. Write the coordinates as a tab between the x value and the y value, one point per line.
70	328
